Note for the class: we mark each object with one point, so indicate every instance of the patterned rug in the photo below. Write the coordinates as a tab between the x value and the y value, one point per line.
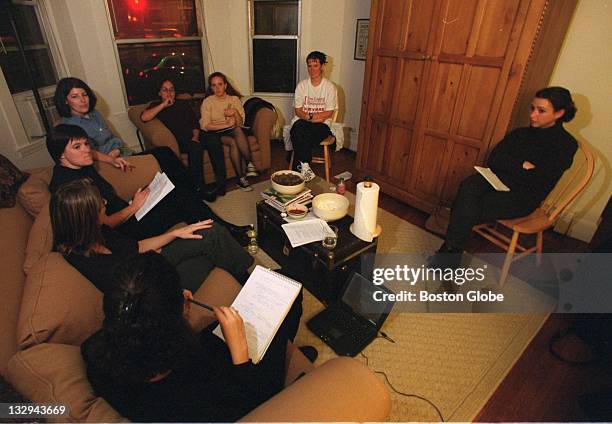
455	361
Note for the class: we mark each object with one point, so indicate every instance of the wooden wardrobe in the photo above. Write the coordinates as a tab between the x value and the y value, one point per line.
444	81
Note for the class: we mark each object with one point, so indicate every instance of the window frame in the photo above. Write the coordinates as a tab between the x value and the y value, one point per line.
116	42
252	36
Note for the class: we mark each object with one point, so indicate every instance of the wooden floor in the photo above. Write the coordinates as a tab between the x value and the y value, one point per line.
540	387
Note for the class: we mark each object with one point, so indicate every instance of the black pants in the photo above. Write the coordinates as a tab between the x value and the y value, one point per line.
304	137
477	202
194	159
195	258
211	141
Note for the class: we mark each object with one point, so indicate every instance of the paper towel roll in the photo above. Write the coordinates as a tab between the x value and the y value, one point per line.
366	208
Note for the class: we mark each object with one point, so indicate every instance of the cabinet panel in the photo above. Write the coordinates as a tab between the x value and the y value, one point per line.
456	23
496	27
392	24
419	27
476	111
406	93
462	161
382	90
429	165
398	152
373	158
442	102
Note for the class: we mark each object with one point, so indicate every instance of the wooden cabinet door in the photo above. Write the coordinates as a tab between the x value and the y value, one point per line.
402	40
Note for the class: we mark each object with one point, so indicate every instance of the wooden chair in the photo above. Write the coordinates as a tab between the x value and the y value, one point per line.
544	217
326	158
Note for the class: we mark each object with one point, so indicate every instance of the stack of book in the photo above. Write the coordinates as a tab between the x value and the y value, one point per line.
280	201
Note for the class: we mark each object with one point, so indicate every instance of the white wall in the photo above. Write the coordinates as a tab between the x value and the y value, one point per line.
584	67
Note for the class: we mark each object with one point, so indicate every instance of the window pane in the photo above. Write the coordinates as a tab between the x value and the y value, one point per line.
276	17
144	64
153	18
37	53
274	66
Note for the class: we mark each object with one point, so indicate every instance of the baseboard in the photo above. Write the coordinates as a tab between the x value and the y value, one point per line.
582	229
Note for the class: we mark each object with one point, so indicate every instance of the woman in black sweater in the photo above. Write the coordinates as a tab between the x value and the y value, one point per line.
151	367
530	161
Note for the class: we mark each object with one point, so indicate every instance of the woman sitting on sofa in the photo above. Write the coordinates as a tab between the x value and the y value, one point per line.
222	117
77	213
149	365
69	148
179	118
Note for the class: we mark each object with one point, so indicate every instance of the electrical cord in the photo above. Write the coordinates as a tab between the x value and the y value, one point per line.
367	361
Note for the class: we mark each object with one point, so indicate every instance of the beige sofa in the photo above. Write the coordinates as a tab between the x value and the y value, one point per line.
49	309
155	134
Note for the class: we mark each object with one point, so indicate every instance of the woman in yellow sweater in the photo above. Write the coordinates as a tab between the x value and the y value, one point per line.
222	120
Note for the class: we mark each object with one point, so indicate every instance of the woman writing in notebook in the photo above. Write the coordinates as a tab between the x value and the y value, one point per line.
222	117
150	365
77	211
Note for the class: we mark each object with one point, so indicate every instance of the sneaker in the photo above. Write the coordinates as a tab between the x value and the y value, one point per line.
244	185
306	172
251	170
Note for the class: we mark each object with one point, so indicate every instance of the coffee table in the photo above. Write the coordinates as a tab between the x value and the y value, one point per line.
322	271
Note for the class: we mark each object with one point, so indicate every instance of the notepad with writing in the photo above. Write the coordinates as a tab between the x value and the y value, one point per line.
159	188
263	304
492	178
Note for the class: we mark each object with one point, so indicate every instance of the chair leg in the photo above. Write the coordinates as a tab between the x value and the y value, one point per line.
142	149
508	259
291	161
539	248
327	162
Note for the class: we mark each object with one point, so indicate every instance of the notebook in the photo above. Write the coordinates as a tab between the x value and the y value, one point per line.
492	178
353	321
263	304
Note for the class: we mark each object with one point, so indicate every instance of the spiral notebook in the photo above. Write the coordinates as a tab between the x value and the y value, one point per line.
263	304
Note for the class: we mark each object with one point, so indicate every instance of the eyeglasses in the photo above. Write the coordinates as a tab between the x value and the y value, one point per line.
167	90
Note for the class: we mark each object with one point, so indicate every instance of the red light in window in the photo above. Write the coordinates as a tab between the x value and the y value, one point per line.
141	74
127	71
155	68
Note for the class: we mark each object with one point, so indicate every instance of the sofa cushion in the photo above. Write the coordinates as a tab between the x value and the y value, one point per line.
59	305
34	193
52	373
16	224
40	240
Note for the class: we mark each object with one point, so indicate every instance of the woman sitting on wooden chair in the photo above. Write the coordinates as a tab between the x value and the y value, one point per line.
530	161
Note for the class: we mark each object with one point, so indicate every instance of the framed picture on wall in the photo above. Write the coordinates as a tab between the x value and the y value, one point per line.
361	39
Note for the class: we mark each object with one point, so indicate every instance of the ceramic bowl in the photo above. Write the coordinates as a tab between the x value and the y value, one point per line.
287	189
330	206
297	211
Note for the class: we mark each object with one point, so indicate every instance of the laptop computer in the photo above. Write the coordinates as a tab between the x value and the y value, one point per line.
353	321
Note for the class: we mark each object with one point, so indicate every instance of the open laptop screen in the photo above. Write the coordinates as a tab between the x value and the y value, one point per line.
358	296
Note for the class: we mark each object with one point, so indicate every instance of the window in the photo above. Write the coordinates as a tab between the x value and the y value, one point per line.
157	39
274	45
26	20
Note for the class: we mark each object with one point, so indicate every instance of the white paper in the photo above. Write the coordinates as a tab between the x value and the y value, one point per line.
263	303
492	178
366	210
304	232
160	187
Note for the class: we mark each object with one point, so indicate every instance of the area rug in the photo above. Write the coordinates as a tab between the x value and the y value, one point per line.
453	360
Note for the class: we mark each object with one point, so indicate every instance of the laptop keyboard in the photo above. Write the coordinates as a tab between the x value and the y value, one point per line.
349	325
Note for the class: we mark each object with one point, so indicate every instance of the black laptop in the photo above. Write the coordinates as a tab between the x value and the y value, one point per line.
353	321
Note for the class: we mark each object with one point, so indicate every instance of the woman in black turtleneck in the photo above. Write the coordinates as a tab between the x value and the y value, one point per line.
528	160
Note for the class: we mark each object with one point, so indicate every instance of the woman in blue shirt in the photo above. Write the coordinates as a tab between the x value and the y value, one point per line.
76	103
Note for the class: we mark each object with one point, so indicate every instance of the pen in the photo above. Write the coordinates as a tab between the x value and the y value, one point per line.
203	305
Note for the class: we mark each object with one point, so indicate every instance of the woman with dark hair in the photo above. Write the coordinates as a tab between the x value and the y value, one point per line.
147	362
179	118
76	104
530	161
78	213
221	121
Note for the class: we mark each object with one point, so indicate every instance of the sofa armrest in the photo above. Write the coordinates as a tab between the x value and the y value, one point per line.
342	389
127	182
52	373
262	128
154	132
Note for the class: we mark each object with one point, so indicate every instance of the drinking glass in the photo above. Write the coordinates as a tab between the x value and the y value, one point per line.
330	239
